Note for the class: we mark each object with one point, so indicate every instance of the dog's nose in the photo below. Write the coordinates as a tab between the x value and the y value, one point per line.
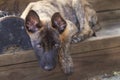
48	67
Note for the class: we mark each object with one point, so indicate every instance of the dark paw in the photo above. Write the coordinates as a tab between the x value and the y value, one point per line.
77	38
82	36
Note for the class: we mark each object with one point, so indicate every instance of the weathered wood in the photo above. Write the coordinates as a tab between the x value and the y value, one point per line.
95	63
86	65
105	5
17	58
109	15
106	9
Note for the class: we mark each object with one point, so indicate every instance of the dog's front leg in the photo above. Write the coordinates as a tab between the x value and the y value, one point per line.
85	30
65	59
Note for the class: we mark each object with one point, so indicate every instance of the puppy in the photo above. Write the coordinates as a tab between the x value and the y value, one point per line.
52	25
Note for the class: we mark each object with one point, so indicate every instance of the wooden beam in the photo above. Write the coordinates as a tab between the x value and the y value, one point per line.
85	65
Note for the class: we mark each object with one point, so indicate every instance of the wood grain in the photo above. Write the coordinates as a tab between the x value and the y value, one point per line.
108	15
105	5
86	65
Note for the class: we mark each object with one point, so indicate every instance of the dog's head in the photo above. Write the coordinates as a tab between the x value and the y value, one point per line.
45	37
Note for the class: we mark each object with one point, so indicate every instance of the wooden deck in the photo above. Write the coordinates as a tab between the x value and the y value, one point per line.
95	56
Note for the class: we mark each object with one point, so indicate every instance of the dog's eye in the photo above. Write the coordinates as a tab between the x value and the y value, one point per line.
57	45
38	46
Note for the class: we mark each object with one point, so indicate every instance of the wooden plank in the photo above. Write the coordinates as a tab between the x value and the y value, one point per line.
16	58
96	44
106	9
105	5
29	71
86	65
109	15
96	63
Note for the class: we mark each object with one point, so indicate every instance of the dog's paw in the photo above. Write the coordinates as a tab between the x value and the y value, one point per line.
77	38
68	70
82	36
67	66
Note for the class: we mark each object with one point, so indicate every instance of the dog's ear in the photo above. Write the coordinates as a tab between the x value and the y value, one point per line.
58	22
32	22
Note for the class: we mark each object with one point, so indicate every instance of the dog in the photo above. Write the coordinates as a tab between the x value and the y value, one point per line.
53	24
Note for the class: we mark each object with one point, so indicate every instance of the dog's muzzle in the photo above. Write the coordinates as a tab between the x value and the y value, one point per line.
48	60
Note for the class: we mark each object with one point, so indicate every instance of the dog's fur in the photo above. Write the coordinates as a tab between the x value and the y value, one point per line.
53	24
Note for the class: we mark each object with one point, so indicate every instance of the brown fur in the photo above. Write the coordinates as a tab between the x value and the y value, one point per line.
74	22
